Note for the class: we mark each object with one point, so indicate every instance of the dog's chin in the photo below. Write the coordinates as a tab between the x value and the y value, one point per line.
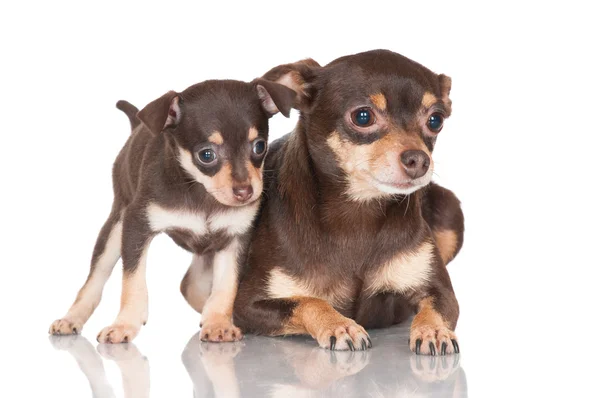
404	187
232	202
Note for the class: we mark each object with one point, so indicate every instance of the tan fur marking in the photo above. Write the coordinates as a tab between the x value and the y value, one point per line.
379	101
362	162
282	285
427	315
252	134
216	316
254	173
216	138
319	319
429	326
428	100
404	272
446	241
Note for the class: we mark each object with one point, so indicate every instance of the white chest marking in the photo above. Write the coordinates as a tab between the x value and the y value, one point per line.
234	221
162	219
404	272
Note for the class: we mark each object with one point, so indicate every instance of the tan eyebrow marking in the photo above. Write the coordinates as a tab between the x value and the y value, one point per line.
252	134
216	138
379	101
428	100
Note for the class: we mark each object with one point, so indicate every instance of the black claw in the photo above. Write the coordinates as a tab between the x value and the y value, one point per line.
455	345
371	343
125	339
432	348
350	345
418	346
363	344
444	345
332	341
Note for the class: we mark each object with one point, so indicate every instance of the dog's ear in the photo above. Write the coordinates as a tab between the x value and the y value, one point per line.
297	76
161	113
275	97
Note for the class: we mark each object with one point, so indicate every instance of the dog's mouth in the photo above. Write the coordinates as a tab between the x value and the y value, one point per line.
403	187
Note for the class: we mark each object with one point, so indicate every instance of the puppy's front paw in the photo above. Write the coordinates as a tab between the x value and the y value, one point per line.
219	329
118	333
433	340
65	326
343	334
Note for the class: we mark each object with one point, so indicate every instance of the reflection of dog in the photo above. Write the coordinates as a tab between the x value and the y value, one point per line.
134	367
290	367
192	169
352	233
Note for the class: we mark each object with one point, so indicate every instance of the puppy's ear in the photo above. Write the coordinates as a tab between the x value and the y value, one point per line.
275	97
161	113
297	76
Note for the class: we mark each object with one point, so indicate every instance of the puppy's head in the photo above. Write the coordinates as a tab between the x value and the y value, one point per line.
372	119
219	129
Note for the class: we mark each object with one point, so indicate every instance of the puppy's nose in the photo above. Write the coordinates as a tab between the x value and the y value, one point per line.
243	193
415	162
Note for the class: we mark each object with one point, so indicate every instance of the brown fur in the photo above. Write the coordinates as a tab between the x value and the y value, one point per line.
159	169
325	225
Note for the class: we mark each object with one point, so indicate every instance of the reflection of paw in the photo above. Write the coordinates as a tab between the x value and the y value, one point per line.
321	368
120	352
65	326
343	334
118	333
432	369
219	329
218	354
433	340
63	343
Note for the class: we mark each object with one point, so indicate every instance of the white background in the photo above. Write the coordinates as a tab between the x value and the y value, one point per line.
519	151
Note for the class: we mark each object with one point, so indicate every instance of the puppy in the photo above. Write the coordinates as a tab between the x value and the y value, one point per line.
192	169
352	233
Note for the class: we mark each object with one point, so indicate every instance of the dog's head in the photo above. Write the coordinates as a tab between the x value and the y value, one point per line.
371	118
219	131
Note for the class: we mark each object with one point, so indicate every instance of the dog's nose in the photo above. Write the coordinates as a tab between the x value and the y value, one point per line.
243	193
415	162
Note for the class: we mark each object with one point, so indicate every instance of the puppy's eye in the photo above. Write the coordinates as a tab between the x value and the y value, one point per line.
207	156
259	147
435	122
363	117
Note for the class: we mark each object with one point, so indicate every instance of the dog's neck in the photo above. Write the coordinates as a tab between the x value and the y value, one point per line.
316	194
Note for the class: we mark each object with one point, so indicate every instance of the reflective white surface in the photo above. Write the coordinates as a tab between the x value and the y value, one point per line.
269	367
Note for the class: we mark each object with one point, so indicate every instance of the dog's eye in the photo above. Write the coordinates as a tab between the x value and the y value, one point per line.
207	156
435	122
363	117
259	147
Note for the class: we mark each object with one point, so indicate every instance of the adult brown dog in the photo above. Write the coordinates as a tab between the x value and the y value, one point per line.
351	230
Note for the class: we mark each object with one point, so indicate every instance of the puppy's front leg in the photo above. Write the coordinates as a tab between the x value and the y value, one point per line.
134	296
217	322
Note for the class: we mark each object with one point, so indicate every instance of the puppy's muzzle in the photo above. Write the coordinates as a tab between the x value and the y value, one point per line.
415	163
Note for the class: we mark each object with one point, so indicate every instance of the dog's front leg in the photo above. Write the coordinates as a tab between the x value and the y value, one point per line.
217	313
134	296
432	329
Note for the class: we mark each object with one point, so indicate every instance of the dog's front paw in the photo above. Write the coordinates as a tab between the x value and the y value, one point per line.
118	333
65	326
433	340
219	329
343	334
